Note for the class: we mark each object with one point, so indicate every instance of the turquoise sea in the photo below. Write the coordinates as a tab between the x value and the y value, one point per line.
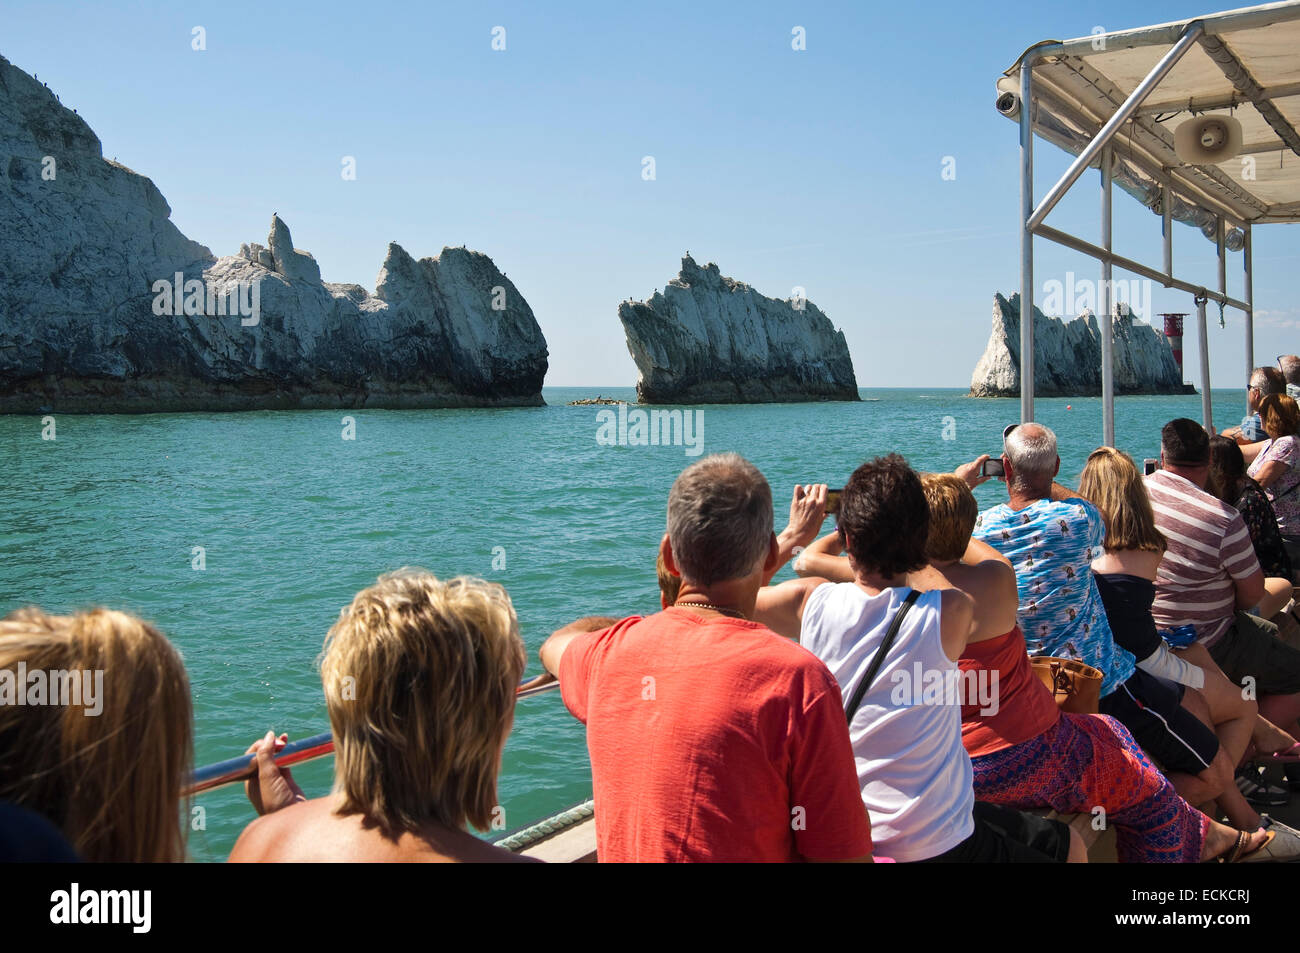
293	520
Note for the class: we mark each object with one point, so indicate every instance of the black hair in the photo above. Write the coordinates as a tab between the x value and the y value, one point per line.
1185	443
886	517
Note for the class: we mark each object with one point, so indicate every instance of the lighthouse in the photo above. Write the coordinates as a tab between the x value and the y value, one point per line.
1174	332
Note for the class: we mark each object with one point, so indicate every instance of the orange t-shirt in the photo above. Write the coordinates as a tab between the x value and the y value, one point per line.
713	740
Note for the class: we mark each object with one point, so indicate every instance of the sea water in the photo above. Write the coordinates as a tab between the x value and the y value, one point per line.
242	535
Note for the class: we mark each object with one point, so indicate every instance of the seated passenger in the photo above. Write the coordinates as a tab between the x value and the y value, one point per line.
1125	574
1276	468
712	738
105	764
1209	575
901	694
1027	753
1263	381
420	677
1228	482
1051	535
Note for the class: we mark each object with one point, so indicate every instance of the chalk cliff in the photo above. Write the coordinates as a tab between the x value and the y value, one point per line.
709	339
93	317
1067	356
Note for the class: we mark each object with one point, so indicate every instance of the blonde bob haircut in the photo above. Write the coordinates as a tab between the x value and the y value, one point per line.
1112	483
953	511
107	771
420	678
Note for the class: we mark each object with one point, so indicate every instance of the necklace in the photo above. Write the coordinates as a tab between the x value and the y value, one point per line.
736	613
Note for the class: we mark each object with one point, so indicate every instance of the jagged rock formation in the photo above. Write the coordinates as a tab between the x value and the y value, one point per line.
1067	356
92	320
708	339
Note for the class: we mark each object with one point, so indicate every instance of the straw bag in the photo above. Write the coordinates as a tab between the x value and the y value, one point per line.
1075	686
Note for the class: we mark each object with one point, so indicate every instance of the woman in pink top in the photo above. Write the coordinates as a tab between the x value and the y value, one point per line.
1277	466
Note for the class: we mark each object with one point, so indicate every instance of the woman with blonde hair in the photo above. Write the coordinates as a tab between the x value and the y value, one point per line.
420	676
1125	572
103	748
1025	752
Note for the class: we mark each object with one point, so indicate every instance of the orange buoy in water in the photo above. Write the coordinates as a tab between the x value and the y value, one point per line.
1068	407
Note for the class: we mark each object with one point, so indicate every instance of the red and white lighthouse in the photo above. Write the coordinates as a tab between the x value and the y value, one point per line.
1174	332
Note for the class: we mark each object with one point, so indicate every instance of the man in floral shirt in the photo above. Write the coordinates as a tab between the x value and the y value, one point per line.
1051	536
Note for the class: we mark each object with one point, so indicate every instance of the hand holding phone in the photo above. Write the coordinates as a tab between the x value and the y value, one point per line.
992	467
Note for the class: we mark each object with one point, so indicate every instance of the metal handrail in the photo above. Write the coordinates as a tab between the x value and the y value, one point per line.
243	767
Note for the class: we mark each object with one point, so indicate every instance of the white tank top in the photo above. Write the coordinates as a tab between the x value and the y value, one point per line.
916	777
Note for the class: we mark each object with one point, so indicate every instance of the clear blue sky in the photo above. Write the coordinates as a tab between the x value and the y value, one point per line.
819	168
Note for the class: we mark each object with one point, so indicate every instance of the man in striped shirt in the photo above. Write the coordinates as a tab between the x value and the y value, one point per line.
1210	573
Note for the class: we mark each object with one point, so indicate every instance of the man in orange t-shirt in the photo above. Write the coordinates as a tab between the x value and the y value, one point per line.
711	737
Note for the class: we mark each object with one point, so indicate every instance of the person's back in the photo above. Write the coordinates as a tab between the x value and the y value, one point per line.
906	733
315	832
707	739
1208	548
711	737
1051	545
420	676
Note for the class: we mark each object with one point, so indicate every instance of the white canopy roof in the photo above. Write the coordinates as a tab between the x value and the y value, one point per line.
1247	63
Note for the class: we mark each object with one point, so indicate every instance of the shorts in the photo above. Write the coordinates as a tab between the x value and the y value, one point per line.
1251	649
1006	836
1150	708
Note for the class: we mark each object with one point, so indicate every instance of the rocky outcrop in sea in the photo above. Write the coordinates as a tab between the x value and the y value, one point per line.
708	339
106	307
1067	356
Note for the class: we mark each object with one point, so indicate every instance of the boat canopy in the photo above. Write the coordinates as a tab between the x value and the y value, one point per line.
1118	102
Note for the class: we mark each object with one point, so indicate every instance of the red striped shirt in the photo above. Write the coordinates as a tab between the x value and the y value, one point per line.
1208	549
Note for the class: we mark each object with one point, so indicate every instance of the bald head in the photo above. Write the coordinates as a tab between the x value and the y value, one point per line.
1030	450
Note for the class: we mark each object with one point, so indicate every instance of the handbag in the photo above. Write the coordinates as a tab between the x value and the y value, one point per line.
1075	686
879	658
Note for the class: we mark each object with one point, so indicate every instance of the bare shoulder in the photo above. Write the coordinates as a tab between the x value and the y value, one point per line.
270	837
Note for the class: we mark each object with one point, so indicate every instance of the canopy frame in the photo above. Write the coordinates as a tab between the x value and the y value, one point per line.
1209	189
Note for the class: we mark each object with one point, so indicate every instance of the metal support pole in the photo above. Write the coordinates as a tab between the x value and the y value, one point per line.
1026	241
1105	307
1121	115
1167	215
1203	338
1248	296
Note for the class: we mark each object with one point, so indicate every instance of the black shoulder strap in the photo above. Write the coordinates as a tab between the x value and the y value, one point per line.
879	658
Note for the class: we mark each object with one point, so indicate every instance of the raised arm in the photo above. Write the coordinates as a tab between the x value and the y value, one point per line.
823	559
552	649
780	608
1061	493
807	513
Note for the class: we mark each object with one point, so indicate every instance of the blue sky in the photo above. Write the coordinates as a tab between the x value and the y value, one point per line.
818	168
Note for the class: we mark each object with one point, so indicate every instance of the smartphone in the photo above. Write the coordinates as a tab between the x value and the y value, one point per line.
833	501
1150	466
992	467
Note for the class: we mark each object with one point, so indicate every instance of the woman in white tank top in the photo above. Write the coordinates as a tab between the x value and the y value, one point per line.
906	731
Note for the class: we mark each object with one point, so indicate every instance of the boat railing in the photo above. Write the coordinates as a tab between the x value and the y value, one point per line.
241	768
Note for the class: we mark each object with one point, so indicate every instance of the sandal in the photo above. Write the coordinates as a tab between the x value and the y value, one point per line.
1235	855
